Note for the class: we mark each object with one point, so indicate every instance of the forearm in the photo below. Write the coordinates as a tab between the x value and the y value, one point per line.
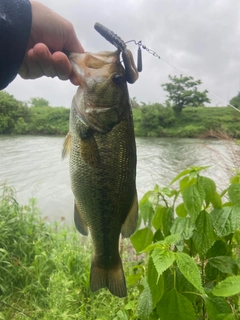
15	25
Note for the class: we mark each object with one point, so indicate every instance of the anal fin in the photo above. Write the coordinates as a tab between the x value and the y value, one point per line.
79	223
130	224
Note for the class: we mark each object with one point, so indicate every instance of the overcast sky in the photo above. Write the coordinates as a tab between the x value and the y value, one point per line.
199	37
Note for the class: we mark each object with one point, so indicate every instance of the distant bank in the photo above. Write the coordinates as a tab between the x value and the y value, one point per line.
153	120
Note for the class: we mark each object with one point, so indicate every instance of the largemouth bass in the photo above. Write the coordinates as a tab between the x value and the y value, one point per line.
103	161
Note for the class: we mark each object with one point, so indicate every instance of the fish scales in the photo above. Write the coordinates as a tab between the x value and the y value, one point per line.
103	164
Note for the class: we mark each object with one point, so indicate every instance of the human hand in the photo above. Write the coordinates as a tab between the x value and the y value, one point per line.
50	35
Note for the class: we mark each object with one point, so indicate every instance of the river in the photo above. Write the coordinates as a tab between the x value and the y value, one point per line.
33	166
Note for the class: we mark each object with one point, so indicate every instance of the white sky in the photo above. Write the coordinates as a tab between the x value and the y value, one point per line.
199	37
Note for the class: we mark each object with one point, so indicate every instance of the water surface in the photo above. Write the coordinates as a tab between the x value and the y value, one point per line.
33	166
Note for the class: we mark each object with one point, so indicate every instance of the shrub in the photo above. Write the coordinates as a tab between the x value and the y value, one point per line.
191	238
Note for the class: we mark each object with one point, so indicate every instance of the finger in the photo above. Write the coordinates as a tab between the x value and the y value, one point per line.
62	65
74	80
30	68
44	58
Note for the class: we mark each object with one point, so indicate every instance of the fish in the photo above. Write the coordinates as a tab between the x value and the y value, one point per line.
102	163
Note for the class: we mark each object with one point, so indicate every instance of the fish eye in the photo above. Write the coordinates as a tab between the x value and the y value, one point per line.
118	79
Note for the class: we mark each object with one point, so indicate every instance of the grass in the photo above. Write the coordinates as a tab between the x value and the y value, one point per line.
200	122
44	270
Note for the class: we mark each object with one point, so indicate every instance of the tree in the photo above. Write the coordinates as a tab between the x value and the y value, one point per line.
38	102
11	110
235	101
183	92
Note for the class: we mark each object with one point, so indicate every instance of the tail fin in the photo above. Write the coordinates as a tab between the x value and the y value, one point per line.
112	278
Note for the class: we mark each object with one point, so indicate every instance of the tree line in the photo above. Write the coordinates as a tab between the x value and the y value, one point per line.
182	115
34	117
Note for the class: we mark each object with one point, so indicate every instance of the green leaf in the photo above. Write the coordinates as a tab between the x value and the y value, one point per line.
132	279
173	238
141	239
218	249
174	306
163	244
181	210
227	287
180	175
162	259
237	236
211	272
157	220
130	305
145	302
186	182
193	197
217	307
216	200
183	226
192	171
234	193
158	236
168	192
156	284
154	195
236	178
146	210
209	187
204	235
185	287
190	270
121	315
224	264
225	220
167	221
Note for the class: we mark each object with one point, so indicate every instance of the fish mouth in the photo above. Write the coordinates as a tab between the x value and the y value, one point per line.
95	66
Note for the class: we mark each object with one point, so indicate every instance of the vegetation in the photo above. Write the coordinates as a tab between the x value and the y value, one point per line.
188	264
183	92
155	120
16	117
152	120
191	238
44	270
235	101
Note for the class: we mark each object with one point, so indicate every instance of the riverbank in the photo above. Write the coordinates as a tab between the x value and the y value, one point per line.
45	269
152	120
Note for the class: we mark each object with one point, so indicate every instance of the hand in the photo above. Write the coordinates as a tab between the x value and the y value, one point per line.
50	35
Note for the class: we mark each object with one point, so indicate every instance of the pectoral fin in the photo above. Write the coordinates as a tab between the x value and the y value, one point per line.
130	223
79	223
66	146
